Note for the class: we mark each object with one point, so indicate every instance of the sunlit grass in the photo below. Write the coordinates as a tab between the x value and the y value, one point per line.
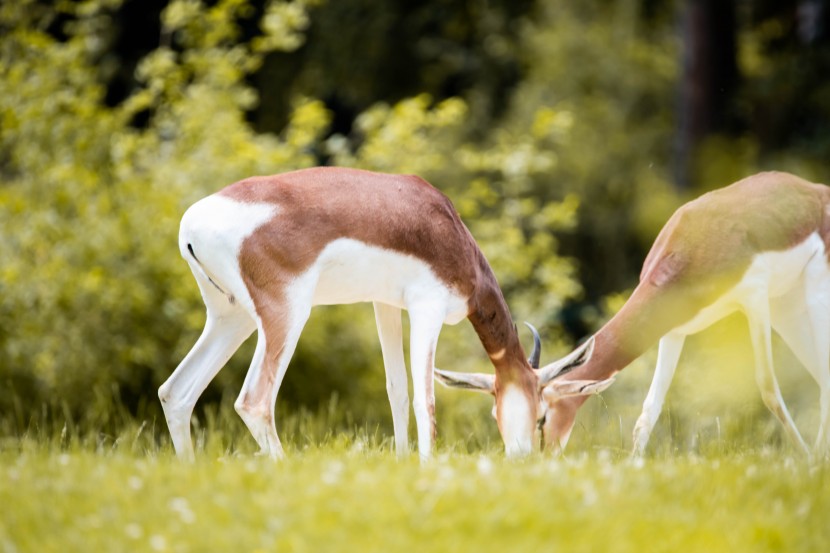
343	489
718	477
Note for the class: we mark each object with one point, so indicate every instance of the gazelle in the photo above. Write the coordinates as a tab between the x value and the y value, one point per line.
266	249
759	246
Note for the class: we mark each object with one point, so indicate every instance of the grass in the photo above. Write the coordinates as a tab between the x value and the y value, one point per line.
346	491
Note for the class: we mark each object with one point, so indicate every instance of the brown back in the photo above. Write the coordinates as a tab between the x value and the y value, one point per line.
397	212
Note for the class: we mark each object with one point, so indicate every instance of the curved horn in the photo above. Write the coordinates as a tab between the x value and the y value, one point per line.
536	354
556	369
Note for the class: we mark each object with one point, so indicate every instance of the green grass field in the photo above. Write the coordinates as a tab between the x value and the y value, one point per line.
346	491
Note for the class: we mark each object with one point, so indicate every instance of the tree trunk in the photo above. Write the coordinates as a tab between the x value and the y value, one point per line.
708	80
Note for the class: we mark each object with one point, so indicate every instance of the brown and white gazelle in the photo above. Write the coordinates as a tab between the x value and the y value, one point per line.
759	246
266	249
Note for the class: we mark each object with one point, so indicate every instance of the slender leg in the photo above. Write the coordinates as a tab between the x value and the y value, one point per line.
822	446
388	319
818	304
822	376
805	328
426	322
758	316
226	328
802	319
668	355
279	328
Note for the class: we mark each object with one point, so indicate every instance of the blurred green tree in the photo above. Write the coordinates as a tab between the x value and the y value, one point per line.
94	299
552	126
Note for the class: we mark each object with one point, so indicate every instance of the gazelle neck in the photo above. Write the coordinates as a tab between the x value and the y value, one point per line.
516	384
492	322
650	313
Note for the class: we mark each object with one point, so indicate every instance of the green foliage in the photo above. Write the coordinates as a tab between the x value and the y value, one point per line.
94	296
93	292
561	142
594	102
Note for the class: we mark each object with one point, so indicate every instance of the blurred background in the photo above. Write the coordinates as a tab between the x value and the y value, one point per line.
565	133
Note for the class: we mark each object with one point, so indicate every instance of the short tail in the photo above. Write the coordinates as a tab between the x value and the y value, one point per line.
231	297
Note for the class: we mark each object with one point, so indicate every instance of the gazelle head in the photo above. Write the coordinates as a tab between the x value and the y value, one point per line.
549	389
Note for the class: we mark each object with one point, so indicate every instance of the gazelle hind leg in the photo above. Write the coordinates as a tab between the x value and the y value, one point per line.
758	316
227	326
817	298
279	328
425	322
668	355
818	302
822	445
805	328
388	319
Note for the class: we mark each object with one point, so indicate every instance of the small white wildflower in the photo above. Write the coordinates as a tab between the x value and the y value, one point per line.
589	494
484	465
135	483
604	456
158	542
275	524
331	474
9	546
180	506
445	473
133	531
554	466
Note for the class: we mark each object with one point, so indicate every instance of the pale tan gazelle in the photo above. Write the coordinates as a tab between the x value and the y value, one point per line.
266	249
759	246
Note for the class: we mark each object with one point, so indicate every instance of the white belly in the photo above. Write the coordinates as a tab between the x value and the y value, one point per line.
350	271
770	275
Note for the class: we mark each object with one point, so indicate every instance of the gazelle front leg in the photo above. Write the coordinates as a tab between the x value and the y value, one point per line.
668	355
425	326
758	316
279	329
388	319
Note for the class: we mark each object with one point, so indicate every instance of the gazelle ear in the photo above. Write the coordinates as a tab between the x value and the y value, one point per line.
560	389
478	382
574	359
